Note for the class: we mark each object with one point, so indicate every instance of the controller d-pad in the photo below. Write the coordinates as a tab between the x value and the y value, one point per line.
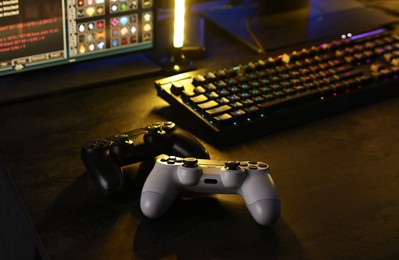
171	160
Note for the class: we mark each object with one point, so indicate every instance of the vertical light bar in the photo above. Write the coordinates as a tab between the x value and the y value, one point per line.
178	34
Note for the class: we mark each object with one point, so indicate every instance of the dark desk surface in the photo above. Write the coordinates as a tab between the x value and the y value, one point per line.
338	180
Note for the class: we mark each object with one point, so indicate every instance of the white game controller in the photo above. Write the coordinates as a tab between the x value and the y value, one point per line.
172	175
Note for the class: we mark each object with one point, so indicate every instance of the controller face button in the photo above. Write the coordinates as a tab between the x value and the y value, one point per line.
190	162
253	167
253	162
243	164
263	165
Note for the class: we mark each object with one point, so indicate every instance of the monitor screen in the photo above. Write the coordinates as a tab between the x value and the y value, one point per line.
43	33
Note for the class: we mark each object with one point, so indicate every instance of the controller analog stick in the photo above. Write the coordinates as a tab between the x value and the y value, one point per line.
232	165
189	173
154	129
190	162
154	134
122	147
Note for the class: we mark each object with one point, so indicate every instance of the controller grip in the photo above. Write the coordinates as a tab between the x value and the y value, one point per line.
105	172
153	204
265	211
159	191
186	145
261	197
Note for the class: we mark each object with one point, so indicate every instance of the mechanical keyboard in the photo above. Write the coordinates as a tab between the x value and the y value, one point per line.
291	87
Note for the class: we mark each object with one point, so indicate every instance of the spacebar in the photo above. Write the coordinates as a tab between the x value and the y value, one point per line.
290	101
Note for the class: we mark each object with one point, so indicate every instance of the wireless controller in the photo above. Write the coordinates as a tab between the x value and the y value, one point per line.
104	158
171	175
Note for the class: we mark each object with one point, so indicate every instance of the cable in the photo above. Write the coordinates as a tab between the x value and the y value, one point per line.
259	45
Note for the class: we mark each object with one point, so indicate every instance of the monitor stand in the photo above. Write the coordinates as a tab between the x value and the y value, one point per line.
277	29
64	78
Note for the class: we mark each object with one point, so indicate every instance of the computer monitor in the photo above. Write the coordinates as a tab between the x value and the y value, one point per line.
39	34
265	25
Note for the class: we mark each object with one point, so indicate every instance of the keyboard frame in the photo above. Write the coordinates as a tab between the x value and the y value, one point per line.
283	118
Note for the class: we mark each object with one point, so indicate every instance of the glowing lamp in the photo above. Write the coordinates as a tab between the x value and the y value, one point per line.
178	28
177	63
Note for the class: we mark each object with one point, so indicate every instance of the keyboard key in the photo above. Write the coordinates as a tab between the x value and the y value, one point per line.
212	95
199	90
222	92
210	113
222	120
198	99
223	100
210	87
177	88
253	112
348	75
199	80
186	95
236	104
207	105
287	102
238	115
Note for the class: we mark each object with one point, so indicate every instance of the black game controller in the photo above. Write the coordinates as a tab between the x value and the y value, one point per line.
103	159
